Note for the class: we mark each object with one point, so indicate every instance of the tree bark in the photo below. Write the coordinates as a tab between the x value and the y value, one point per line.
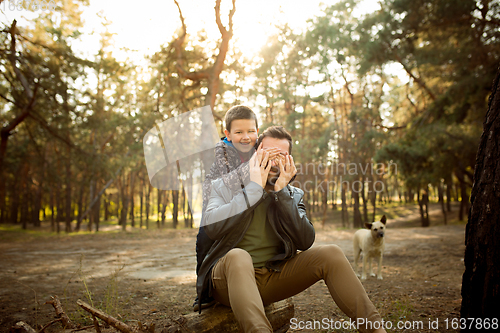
131	198
480	291
68	213
141	203
158	207
357	220
345	213
124	197
423	203
175	211
80	208
441	201
365	202
148	195
448	194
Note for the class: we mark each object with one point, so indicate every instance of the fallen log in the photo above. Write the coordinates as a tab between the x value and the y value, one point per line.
220	319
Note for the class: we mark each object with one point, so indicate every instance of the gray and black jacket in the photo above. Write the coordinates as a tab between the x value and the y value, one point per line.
227	222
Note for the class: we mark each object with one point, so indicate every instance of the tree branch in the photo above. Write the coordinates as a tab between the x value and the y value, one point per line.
419	80
122	327
5	131
12	59
67	323
226	36
177	44
38	118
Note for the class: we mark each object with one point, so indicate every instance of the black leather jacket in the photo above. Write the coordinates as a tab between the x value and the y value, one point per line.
228	216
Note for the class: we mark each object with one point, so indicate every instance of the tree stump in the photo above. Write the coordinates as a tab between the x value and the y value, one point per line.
220	319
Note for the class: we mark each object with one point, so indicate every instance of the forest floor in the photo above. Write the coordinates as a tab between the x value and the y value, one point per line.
148	275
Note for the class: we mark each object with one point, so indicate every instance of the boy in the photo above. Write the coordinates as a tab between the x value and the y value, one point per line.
230	153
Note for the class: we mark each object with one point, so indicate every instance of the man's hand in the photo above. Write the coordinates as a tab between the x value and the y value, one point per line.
260	166
287	171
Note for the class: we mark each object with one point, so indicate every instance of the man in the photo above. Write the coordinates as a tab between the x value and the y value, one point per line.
258	231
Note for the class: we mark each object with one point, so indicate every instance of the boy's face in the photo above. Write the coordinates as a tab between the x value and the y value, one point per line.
243	134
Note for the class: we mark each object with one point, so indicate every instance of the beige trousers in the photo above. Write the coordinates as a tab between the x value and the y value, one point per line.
247	289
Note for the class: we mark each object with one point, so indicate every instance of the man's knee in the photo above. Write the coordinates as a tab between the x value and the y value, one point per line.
239	258
331	253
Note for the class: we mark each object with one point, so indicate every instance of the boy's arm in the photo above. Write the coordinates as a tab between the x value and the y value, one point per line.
226	209
223	167
238	178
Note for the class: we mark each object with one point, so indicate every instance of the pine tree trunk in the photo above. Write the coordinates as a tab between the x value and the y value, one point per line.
106	208
441	201
373	196
365	203
148	195
164	209
345	213
58	206
97	211
158	208
357	220
68	214
91	196
124	197
480	291
52	211
175	211
448	194
80	208
131	200
423	203
37	206
141	196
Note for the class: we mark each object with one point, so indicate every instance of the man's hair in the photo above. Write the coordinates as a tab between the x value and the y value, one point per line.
276	132
239	112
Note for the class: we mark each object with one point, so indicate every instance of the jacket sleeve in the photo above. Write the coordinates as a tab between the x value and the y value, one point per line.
227	209
233	173
293	217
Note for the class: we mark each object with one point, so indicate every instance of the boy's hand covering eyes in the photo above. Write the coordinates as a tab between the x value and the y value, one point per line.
259	166
287	171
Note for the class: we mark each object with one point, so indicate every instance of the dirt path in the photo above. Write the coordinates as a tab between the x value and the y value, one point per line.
149	276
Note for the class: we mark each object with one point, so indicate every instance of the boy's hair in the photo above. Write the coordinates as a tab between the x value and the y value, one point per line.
276	132
239	112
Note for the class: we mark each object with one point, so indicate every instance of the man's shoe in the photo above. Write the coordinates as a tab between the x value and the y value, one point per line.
205	303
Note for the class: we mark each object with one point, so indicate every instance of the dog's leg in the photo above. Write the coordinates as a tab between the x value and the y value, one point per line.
357	254
365	259
371	267
379	271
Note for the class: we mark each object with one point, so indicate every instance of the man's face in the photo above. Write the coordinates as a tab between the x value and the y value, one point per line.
243	134
284	146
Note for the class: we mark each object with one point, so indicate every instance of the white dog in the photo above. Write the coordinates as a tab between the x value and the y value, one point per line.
371	243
